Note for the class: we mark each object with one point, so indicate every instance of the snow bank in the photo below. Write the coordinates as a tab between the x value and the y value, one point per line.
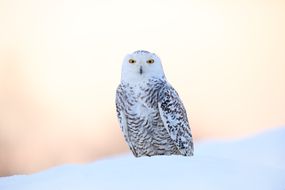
252	163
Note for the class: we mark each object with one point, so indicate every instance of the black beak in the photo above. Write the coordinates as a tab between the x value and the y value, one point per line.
141	70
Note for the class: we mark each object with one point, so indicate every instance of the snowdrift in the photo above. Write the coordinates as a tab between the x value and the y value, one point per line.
253	163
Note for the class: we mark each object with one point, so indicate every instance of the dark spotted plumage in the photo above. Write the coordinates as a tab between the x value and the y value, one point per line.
153	119
141	52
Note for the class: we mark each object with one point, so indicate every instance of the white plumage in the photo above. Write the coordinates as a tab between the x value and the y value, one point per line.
151	114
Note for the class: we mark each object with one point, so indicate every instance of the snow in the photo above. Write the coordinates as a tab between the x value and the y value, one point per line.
252	163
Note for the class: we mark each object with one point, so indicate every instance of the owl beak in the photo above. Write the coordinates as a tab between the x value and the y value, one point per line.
141	70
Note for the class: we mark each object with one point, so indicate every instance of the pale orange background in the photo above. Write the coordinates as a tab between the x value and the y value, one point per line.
60	65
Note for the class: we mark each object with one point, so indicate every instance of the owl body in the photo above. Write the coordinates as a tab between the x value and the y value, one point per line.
151	114
146	132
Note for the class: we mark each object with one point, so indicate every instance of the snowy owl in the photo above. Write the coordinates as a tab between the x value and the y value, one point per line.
150	112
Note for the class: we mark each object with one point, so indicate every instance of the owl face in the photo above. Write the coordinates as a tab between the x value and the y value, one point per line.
141	65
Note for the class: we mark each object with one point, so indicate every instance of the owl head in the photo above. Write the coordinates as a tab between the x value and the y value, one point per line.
141	65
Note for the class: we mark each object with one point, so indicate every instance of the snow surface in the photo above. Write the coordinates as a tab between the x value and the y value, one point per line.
248	164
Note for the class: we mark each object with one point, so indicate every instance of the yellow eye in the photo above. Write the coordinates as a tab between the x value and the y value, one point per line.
132	61
150	61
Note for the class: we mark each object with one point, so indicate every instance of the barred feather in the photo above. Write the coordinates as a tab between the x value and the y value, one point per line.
153	119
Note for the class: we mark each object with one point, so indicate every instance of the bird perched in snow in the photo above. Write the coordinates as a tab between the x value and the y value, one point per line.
151	114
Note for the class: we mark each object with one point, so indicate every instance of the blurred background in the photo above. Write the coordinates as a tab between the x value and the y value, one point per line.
60	64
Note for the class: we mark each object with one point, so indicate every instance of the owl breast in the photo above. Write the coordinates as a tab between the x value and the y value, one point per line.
146	131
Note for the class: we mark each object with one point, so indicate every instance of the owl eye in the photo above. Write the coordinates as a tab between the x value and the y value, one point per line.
132	61
150	61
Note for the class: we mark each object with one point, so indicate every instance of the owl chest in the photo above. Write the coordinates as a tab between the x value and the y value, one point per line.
141	104
146	131
139	110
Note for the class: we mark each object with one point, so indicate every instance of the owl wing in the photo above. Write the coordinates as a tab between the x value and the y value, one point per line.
174	117
122	117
